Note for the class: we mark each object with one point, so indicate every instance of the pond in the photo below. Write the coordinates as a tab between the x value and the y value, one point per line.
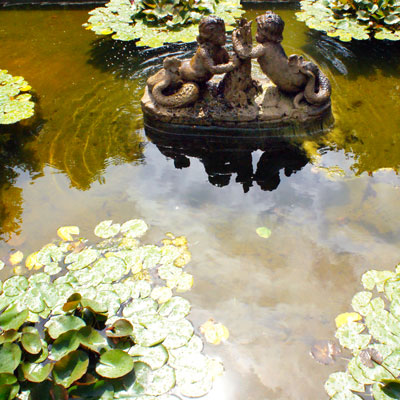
331	202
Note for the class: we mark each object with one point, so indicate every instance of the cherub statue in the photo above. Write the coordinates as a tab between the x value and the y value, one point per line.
182	78
291	75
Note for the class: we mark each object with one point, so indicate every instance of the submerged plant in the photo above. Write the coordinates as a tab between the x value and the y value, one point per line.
101	329
155	22
14	105
372	334
353	19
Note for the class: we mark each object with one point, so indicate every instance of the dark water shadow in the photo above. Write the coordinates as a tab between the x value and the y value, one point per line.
224	157
355	58
17	157
127	61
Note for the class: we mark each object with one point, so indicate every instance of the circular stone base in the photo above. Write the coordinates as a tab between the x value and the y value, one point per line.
272	114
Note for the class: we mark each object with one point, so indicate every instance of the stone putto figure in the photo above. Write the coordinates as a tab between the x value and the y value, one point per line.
190	91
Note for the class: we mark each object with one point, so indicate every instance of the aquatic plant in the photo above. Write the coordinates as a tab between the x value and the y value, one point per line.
353	19
155	22
14	105
372	334
91	324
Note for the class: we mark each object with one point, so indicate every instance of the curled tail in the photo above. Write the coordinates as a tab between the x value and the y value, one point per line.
186	95
318	87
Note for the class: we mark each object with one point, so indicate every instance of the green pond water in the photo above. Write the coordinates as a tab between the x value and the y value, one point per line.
333	211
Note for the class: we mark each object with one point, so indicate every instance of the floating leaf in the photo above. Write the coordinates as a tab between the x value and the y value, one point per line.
342	381
324	351
81	260
214	333
65	344
179	333
344	318
66	232
12	318
30	340
263	232
16	257
15	286
134	228
100	390
155	357
155	382
120	328
175	308
10	357
70	368
36	372
92	339
64	323
106	229
370	356
161	294
114	364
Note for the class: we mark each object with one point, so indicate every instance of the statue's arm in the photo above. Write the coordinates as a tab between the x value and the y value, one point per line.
210	66
244	50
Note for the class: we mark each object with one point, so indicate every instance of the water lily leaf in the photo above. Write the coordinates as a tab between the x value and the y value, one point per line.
10	357
140	307
342	381
36	372
379	394
16	257
161	294
263	232
7	379
114	364
100	390
66	232
64	323
123	291
214	333
370	356
12	318
155	357
134	228
31	341
373	278
170	273
95	306
72	302
155	382
175	308
8	392
81	260
33	300
344	318
65	344
40	357
180	332
49	255
361	303
70	368
324	351
150	333
38	279
9	336
92	339
169	254
114	269
15	286
107	229
349	336
375	374
120	328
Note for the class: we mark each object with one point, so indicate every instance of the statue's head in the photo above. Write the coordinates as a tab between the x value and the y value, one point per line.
212	29
269	27
172	64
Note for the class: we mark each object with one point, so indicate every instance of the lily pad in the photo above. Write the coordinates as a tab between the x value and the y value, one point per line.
70	368
10	357
36	372
107	229
64	323
155	383
134	228
92	339
31	340
81	260
120	328
12	318
263	232
65	344
114	364
155	357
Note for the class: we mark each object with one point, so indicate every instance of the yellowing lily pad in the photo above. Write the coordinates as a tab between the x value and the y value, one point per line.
214	332
344	318
66	232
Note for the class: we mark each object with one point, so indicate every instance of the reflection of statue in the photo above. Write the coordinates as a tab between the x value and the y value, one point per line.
210	59
186	92
290	75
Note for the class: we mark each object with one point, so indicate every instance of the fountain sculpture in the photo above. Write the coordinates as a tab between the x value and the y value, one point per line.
290	91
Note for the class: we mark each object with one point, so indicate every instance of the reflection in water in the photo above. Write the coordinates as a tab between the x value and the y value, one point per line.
223	157
16	158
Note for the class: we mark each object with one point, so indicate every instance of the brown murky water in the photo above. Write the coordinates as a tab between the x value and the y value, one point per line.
334	213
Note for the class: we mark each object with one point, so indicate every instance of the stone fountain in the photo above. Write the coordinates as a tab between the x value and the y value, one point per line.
291	96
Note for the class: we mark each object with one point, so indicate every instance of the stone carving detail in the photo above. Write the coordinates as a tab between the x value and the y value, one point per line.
188	91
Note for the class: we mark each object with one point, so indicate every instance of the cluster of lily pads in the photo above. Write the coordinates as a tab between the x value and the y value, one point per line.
100	321
156	22
14	105
353	19
372	334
